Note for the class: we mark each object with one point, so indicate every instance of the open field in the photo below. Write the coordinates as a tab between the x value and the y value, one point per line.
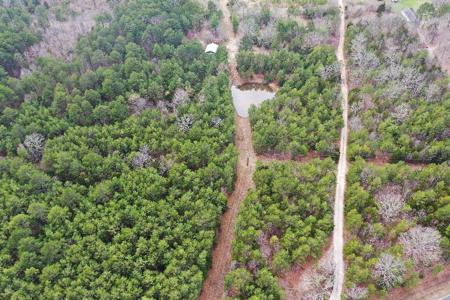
402	4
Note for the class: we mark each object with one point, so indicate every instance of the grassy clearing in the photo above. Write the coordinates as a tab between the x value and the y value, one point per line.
401	4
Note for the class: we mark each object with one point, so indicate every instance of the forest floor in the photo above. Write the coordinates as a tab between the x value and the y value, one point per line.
214	286
338	231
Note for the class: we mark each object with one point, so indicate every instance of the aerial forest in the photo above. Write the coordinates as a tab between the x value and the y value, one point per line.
114	165
284	221
397	219
399	99
123	159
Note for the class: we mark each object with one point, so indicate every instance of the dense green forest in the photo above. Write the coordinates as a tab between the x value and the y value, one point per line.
305	114
398	222
116	163
399	100
17	34
285	220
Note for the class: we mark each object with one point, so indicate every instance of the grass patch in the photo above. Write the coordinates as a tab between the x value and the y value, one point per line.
402	4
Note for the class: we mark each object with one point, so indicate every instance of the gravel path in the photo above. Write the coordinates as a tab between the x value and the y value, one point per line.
338	233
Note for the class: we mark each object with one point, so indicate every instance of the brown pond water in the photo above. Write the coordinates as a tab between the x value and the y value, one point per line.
247	95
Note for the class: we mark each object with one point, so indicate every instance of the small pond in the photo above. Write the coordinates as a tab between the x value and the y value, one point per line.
247	95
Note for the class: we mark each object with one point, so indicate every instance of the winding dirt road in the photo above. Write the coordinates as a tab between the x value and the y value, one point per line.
338	233
213	288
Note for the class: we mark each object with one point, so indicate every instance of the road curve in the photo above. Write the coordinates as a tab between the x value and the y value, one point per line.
338	232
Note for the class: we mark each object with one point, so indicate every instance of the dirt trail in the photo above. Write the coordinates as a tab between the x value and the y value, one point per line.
213	288
274	157
338	232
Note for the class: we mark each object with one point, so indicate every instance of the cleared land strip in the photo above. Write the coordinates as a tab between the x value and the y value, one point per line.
214	286
338	232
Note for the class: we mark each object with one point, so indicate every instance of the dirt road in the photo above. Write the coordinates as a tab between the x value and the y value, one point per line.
213	288
338	233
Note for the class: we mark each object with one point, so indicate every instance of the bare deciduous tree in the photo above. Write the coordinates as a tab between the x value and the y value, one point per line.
389	271
180	97
413	80
401	112
313	39
390	202
34	144
433	93
422	244
248	26
162	106
391	72
355	123
331	71
319	282
267	34
357	293
142	157
185	122
366	176
439	3
362	57
137	104
165	164
216	121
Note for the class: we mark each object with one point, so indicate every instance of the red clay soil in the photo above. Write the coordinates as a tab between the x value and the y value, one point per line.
271	157
384	159
292	281
213	287
430	288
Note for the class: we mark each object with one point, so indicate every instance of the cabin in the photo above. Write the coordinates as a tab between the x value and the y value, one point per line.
410	15
211	48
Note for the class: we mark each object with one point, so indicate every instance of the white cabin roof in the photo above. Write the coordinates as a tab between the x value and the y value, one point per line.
211	48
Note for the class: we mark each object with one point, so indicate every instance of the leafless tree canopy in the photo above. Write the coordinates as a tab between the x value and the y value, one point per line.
401	112
185	122
142	158
165	164
319	282
137	104
216	121
422	244
362	57
331	71
390	202
389	271
34	144
357	293
180	97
